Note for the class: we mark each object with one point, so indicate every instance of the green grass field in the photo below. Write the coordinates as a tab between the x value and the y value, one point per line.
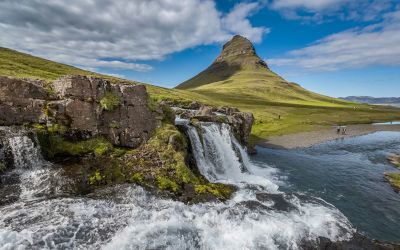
265	94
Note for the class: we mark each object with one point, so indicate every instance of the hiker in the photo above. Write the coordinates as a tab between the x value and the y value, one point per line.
344	130
338	129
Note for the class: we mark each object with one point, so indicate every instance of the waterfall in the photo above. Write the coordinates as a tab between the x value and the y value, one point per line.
25	152
34	173
258	216
220	157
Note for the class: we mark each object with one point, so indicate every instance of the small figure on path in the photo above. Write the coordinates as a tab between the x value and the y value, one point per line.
338	129
344	130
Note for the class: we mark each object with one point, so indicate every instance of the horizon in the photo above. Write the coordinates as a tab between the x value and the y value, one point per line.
330	53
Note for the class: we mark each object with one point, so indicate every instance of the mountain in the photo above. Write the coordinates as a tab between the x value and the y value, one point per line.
237	78
394	101
238	70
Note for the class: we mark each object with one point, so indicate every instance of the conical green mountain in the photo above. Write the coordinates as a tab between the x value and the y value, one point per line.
239	72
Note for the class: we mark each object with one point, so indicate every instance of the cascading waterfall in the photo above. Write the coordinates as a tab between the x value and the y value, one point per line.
220	158
33	170
25	153
259	216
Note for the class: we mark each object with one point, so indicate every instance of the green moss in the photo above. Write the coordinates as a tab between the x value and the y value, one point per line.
219	190
96	178
109	101
166	184
394	179
53	144
114	125
2	167
137	178
56	128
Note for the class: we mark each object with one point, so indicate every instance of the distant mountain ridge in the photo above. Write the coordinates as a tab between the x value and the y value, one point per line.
373	100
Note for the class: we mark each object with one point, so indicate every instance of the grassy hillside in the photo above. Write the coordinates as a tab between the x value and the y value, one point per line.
238	77
299	109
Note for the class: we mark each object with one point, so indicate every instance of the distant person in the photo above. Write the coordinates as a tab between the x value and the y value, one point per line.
344	130
338	129
279	117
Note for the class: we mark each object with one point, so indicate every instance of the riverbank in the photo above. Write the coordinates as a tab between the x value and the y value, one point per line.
308	139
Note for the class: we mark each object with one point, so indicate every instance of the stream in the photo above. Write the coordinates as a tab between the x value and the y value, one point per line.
284	199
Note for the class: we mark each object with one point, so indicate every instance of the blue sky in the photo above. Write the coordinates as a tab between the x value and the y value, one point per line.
334	47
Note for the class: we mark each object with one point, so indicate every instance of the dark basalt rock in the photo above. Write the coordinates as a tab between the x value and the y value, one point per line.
79	104
357	242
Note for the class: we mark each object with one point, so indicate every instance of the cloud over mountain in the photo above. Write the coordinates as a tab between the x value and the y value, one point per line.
119	34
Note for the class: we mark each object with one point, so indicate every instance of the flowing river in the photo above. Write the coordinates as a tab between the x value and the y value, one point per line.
284	199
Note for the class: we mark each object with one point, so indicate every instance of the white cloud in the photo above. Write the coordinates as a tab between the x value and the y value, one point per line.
377	44
118	34
319	10
307	4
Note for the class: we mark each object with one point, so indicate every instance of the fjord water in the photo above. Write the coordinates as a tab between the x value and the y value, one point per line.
348	174
267	211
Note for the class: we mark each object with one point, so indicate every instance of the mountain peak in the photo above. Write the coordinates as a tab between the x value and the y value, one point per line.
237	46
239	51
237	55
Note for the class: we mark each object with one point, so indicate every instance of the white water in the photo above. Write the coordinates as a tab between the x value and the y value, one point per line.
34	172
135	219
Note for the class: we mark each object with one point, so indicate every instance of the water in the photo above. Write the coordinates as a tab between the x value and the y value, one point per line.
348	174
387	123
270	210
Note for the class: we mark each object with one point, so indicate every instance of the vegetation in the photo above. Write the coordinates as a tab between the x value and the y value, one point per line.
109	101
53	143
160	164
3	167
394	179
279	107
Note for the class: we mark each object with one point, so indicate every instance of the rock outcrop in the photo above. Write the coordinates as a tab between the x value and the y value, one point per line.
84	106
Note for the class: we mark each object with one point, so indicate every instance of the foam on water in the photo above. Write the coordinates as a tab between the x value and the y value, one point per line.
135	219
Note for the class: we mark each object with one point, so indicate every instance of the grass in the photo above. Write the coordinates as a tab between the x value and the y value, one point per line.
282	108
394	179
259	91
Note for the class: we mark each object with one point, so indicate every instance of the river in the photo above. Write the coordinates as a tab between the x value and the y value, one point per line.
284	199
347	173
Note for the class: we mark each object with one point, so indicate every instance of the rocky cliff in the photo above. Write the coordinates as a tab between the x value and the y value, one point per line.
83	106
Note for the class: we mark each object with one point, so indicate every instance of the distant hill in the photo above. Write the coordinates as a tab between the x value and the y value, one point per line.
393	101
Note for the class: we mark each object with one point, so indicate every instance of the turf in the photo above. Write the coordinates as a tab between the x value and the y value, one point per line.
265	94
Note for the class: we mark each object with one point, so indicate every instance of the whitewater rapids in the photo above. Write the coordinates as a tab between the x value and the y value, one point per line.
258	216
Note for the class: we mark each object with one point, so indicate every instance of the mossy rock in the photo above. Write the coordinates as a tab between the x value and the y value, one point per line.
110	101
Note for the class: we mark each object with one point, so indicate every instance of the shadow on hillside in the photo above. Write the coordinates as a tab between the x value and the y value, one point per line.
218	71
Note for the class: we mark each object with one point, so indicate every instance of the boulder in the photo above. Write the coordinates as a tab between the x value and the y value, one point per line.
21	101
84	106
81	87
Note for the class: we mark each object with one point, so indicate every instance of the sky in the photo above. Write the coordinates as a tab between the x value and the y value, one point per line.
334	47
